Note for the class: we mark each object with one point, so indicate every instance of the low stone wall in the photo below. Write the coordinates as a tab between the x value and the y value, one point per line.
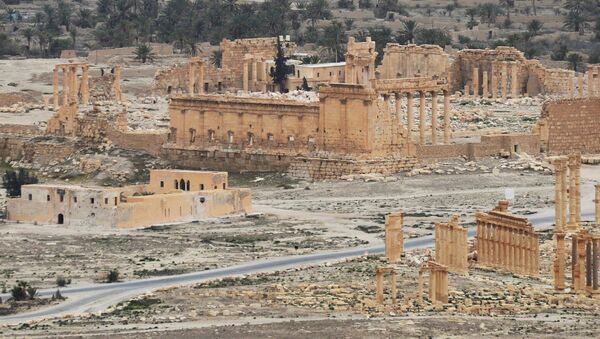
45	150
331	169
220	160
149	142
490	145
11	146
20	129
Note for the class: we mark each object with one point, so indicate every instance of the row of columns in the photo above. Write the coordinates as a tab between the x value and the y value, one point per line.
509	248
576	83
71	89
586	249
259	75
451	247
438	282
422	115
394	236
573	164
196	66
504	89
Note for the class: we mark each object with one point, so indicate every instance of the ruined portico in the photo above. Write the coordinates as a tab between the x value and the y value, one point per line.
380	273
438	282
394	237
73	90
451	247
506	241
584	272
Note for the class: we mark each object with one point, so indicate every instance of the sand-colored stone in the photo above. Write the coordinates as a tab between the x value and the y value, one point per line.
451	247
394	237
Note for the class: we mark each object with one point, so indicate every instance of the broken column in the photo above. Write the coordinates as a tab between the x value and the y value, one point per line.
590	72
494	81
574	164
379	277
245	77
560	168
434	115
394	236
446	118
191	78
117	84
585	262
55	88
85	84
438	282
559	261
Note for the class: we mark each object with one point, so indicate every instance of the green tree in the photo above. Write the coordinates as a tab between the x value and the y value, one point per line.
534	27
408	32
305	86
560	53
280	72
488	13
578	12
144	53
12	181
433	36
385	6
471	13
575	60
334	40
85	18
216	57
64	12
382	36
112	276
28	33
318	10
508	4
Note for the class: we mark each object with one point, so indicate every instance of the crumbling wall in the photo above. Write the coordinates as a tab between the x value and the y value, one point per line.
174	80
570	125
44	150
320	168
104	55
408	61
234	53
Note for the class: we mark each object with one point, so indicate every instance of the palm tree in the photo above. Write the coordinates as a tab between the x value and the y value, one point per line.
534	27
471	12
577	16
28	33
144	53
318	10
408	32
85	18
534	8
489	12
216	57
508	4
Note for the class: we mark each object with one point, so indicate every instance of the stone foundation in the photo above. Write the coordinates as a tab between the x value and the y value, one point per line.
331	169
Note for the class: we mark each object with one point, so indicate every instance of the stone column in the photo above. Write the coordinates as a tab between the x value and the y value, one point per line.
432	286
597	203
504	80
379	286
588	264
494	82
263	67
55	88
409	116
475	82
75	92
201	79
66	84
85	84
596	253
559	177
580	84
398	121
514	79
434	114
590	72
117	84
191	78
484	84
574	194
578	189
422	117
559	261
467	91
446	118
254	75
420	288
245	77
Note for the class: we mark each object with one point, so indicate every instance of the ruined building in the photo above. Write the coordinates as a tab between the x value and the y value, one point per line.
451	247
170	196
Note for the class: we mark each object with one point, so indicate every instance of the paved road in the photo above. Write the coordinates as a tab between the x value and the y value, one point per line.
98	297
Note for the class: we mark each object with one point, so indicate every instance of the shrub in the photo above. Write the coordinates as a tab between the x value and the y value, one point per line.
19	291
112	276
62	281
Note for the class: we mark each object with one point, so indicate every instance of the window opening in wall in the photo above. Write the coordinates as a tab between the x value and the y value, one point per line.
48	197
162	184
30	197
224	185
115	201
176	184
230	137
61	198
106	201
202	200
187	186
215	187
206	87
182	185
202	187
211	135
74	199
91	200
61	219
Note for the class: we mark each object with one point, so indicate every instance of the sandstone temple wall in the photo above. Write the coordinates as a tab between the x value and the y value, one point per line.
570	125
408	61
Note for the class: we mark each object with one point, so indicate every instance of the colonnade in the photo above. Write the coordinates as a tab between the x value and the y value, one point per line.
573	165
394	236
71	88
507	242
410	116
488	88
586	249
451	247
256	73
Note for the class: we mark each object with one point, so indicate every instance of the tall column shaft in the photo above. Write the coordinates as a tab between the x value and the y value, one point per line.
580	85
504	80
484	84
559	261
446	118
245	77
85	85
422	118
409	115
191	78
434	115
55	88
475	82
590	72
595	259
201	79
65	84
598	81
117	84
494	81
515	80
467	91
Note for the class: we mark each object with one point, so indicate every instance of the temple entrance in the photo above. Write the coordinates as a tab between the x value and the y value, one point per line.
61	219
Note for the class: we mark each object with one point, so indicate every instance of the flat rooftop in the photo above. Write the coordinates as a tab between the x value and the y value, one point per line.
327	64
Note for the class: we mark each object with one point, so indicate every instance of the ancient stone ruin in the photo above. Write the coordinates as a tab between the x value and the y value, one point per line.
451	247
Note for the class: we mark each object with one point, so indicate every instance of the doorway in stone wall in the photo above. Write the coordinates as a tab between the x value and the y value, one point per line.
61	219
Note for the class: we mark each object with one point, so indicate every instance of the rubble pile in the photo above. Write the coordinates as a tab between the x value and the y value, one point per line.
495	166
298	95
